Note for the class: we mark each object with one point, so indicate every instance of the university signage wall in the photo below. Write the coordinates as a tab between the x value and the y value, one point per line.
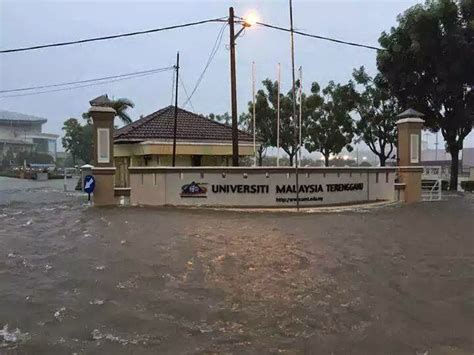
308	192
253	187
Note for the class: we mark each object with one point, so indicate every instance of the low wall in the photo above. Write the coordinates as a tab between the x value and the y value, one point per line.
259	187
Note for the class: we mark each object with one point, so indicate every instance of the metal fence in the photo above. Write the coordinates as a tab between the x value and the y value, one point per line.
436	172
431	190
431	183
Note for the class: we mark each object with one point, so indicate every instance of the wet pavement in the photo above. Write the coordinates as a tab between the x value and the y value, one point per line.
75	279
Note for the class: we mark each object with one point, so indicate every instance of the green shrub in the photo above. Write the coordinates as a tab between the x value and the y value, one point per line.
8	173
467	185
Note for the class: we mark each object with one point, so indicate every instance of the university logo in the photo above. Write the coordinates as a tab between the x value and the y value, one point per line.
194	189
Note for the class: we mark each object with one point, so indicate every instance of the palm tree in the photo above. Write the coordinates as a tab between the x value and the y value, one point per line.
119	105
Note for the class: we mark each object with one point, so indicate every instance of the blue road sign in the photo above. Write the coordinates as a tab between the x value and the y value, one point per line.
89	184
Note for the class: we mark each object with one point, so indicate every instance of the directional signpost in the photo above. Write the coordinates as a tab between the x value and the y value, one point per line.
89	185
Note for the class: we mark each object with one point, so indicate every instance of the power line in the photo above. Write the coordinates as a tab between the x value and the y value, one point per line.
93	39
213	52
186	93
83	86
86	81
73	87
335	40
221	19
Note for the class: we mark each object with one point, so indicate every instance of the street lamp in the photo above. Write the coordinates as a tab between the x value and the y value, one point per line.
249	21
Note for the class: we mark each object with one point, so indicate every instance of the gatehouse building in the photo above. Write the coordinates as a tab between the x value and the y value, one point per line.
200	141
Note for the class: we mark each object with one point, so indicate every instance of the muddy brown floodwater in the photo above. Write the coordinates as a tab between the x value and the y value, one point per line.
75	279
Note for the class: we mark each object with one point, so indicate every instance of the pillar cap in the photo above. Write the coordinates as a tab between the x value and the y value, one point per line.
410	113
102	100
410	120
410	116
102	109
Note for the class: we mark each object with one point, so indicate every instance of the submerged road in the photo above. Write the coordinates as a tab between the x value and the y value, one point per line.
75	279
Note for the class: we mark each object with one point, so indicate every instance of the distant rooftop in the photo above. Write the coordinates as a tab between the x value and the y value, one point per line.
16	116
190	126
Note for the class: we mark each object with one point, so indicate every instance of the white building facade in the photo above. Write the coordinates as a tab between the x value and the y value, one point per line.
20	132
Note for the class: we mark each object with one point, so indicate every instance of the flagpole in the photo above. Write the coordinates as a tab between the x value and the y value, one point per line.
301	104
278	114
253	112
293	91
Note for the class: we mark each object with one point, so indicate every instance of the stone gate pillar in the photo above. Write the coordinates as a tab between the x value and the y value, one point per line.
103	154
409	125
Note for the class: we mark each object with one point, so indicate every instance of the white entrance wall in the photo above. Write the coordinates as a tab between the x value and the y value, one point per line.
258	187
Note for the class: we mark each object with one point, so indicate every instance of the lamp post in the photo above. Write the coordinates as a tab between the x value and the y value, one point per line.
233	82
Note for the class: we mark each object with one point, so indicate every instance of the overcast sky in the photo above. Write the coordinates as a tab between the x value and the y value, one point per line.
25	23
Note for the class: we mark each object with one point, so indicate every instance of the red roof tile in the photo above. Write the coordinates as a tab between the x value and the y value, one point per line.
190	126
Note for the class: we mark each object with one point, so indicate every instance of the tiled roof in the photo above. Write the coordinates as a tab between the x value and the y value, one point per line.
190	126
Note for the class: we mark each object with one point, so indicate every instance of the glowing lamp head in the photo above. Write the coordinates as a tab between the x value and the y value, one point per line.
251	19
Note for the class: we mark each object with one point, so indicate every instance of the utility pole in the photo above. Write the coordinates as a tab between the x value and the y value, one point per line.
300	98
233	90
175	110
294	105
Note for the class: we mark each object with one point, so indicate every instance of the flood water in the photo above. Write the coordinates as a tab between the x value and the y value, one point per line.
84	280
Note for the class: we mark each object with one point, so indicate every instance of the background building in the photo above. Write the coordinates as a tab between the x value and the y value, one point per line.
20	133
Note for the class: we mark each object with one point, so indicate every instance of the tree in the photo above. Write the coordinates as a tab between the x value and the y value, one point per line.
73	138
77	140
8	159
120	106
377	109
224	118
331	127
244	124
266	118
428	63
265	122
87	142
